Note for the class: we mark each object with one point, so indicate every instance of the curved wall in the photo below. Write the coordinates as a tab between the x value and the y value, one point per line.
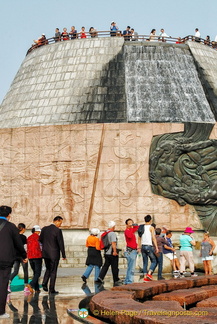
98	170
104	80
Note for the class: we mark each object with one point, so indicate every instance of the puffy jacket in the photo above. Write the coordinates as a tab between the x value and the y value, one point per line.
33	247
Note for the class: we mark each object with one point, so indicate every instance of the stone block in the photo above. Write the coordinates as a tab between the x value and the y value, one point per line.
183	296
144	290
209	302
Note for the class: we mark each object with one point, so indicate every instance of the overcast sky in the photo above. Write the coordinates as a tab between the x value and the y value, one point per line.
24	20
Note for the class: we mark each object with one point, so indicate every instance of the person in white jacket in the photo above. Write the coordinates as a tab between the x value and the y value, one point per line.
162	35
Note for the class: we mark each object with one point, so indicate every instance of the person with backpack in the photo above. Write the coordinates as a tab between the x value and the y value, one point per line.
146	240
109	244
94	257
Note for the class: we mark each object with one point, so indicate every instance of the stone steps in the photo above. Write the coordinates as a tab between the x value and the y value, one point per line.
121	305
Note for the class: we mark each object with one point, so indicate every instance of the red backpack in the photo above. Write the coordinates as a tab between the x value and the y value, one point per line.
104	241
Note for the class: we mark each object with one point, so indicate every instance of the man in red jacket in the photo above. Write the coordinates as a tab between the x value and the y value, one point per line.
131	249
10	241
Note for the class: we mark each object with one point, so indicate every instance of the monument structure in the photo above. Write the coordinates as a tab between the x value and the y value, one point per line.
101	129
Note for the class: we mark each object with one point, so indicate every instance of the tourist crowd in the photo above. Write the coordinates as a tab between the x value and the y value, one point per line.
47	243
129	34
153	244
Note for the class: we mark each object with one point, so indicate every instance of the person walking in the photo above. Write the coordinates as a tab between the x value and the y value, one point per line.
186	251
207	248
131	249
111	257
161	241
34	255
10	242
146	240
94	257
52	244
21	228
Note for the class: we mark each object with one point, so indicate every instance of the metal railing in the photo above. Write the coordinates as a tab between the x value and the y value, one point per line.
128	38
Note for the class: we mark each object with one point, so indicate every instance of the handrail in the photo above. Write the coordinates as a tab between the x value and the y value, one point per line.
155	38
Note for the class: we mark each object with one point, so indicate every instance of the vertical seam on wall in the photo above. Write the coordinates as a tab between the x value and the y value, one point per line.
96	175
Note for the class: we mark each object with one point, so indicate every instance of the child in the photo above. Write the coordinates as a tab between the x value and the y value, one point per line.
94	257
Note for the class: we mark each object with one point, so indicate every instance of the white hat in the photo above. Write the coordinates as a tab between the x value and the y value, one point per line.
111	224
37	228
94	231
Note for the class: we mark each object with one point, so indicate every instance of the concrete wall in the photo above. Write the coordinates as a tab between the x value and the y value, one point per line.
104	80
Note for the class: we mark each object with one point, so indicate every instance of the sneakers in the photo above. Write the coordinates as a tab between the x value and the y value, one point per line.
26	289
194	275
30	288
5	315
118	283
148	277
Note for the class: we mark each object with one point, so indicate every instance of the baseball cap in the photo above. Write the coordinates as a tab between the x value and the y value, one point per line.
37	228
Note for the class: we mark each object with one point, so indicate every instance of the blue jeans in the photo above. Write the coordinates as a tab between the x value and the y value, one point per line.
131	262
148	252
89	270
159	264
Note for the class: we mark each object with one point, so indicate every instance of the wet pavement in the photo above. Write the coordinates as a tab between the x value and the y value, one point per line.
73	295
43	308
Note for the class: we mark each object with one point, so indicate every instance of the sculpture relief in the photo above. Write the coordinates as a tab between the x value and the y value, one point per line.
184	168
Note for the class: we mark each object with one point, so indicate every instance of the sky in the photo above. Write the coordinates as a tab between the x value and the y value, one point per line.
22	21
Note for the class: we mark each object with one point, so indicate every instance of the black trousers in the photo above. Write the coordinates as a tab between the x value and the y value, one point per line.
50	273
4	280
110	260
36	265
16	267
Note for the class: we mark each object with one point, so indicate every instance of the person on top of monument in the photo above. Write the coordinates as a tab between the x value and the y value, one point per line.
114	29
93	32
127	34
207	40
197	35
83	33
162	35
134	35
73	33
40	41
57	36
152	36
65	35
